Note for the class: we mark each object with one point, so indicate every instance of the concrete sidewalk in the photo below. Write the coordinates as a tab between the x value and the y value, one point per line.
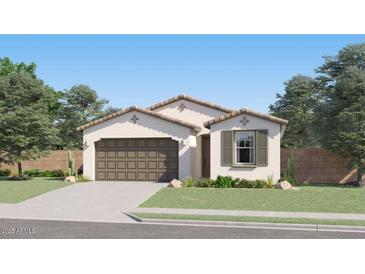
277	214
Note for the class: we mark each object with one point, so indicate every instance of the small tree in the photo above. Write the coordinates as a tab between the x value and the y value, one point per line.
26	129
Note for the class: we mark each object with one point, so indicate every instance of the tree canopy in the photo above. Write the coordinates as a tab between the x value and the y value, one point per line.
26	129
340	125
296	105
79	105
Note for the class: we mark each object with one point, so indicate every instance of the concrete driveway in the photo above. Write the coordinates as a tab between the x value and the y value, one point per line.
93	202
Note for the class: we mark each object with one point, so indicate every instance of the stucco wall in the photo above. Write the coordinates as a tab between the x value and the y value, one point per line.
273	167
192	113
146	127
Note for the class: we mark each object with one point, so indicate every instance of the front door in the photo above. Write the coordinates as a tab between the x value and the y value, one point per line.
206	156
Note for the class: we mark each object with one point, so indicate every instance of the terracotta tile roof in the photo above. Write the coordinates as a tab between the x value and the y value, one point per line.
191	99
248	112
145	111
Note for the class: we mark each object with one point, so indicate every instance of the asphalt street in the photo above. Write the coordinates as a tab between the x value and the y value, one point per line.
39	229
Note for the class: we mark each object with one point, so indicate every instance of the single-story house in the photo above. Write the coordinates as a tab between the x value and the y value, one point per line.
182	137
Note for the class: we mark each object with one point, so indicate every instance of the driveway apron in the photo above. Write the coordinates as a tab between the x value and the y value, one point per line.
93	202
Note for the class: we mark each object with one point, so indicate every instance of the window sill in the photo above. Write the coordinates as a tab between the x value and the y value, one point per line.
244	165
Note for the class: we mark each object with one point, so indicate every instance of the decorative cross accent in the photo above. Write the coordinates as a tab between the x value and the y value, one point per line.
182	107
244	121
134	119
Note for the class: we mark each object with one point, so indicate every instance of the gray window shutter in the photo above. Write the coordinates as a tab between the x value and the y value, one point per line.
226	148
261	147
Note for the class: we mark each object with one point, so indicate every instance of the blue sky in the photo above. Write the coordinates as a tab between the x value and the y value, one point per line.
231	70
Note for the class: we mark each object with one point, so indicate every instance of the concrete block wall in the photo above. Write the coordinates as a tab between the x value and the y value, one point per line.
318	166
57	159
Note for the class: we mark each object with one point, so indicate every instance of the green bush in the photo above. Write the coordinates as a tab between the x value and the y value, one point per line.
82	179
270	181
33	172
188	182
5	172
58	173
47	173
44	173
204	182
224	182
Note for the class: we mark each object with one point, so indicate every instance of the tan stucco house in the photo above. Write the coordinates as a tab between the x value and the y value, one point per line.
182	137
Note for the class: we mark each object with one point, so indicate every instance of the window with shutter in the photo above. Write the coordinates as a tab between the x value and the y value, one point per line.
226	148
262	147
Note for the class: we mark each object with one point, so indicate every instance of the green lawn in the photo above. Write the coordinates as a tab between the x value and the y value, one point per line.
249	219
307	198
17	191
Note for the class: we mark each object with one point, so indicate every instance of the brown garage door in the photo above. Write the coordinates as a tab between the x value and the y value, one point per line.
137	159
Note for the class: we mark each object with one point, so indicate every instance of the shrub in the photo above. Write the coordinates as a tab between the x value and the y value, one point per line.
82	179
223	182
270	181
259	184
33	172
188	182
244	183
5	172
58	173
204	182
44	173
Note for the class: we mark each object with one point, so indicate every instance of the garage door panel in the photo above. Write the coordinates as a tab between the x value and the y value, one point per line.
100	165
131	165
111	165
121	154
162	165
141	154
101	154
152	154
131	154
121	165
162	154
131	176
111	176
131	143
141	176
151	143
121	176
122	144
111	154
141	165
139	159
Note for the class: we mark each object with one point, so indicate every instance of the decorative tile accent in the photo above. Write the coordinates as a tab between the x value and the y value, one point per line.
182	107
244	121
134	119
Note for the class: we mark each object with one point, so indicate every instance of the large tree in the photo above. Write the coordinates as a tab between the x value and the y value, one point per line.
296	105
7	67
53	97
80	105
26	129
340	113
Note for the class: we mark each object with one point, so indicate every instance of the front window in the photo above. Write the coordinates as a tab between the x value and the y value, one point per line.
245	147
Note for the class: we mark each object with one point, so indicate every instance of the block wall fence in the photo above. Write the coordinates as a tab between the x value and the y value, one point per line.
318	166
314	165
57	159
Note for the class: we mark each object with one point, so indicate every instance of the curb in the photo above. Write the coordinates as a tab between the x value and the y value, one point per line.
311	227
